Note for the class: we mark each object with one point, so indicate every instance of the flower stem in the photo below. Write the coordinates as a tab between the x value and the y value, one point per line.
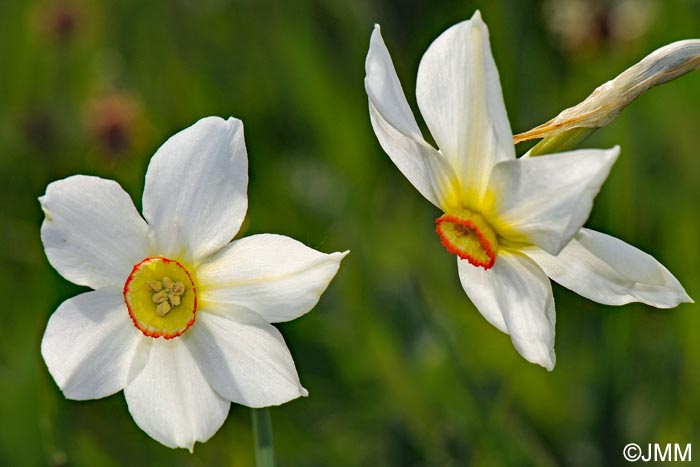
561	142
262	428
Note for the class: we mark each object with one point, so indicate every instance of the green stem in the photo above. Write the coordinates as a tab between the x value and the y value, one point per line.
562	142
262	428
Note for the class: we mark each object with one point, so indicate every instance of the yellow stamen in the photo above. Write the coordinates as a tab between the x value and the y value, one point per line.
167	297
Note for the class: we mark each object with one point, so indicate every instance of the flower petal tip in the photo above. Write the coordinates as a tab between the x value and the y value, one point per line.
684	297
681	296
614	151
342	254
537	353
552	361
547	359
303	392
376	36
216	123
234	121
610	156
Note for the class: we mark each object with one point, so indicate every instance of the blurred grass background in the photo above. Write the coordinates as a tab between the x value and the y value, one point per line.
401	369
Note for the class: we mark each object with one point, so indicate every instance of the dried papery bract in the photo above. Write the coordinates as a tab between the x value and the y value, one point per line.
608	100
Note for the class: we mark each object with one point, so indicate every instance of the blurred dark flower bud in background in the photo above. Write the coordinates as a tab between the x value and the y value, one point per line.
581	24
60	20
114	121
39	129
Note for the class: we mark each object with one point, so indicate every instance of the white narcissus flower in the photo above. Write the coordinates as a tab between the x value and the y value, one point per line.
180	315
511	222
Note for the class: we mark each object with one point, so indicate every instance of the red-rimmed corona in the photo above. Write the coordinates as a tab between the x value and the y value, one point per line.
468	235
161	297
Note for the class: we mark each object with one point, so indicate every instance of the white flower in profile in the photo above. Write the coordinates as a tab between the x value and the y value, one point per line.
180	315
511	222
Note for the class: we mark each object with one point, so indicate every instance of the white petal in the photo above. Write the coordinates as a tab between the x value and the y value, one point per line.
195	197
545	200
245	359
609	271
171	400
275	276
397	131
92	233
89	345
516	297
459	95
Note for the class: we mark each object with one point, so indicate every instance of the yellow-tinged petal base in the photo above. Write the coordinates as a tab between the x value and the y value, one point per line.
467	234
161	297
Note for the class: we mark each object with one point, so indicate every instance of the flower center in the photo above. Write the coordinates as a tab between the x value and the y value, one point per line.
467	234
161	297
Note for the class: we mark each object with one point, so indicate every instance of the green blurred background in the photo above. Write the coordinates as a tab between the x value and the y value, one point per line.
401	368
